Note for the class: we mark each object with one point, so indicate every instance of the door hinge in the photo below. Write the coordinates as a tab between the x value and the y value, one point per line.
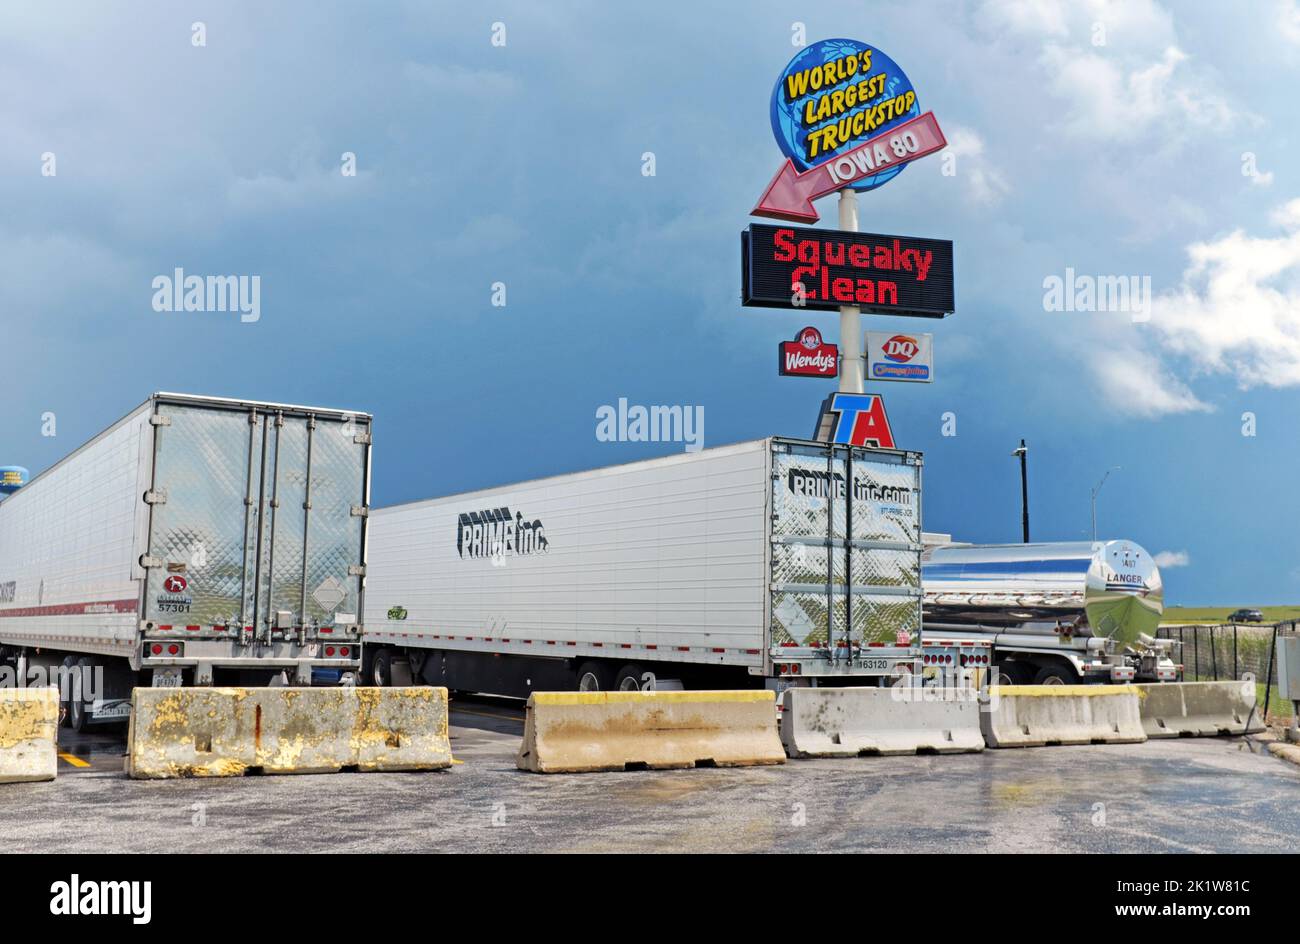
360	511
155	497
159	420
146	561
356	570
361	439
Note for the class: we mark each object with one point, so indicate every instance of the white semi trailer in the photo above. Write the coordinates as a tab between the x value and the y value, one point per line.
769	563
195	541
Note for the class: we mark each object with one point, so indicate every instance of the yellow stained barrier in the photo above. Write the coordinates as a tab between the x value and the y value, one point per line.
578	732
29	725
227	732
1039	715
1198	709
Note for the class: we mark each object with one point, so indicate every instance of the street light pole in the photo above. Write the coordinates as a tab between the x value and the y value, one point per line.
1023	453
1095	492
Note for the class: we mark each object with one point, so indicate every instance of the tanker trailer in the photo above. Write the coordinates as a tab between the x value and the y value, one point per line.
1056	613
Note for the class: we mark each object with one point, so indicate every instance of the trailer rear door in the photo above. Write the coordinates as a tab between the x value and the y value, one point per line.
256	510
865	584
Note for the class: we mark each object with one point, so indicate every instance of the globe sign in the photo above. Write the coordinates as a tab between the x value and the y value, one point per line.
833	95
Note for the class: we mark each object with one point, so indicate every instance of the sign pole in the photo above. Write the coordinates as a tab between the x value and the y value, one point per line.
850	315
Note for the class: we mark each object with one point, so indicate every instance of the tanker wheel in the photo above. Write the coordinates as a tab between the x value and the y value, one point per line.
1015	673
1056	674
65	689
381	669
78	716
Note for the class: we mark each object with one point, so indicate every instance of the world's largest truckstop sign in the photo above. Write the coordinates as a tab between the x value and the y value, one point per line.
844	115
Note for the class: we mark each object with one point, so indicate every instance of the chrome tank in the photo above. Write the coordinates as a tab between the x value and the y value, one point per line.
1102	588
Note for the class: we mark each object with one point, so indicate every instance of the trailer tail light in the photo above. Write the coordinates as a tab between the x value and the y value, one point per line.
156	649
329	651
343	651
173	650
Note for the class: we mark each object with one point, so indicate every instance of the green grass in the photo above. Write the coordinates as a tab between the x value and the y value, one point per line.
1277	707
1175	615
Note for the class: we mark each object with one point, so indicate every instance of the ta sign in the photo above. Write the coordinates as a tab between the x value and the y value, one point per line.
855	419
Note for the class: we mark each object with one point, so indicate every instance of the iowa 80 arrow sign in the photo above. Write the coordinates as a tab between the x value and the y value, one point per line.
845	115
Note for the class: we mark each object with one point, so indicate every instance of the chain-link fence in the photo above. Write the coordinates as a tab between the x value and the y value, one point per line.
1226	651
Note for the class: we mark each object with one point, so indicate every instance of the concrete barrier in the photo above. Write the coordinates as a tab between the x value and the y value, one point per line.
850	722
227	732
1038	715
577	732
1198	709
29	725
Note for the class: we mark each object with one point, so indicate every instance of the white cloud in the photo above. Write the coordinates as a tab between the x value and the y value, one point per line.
984	184
1116	67
1237	310
1172	559
1136	383
1288	20
1111	100
1124	22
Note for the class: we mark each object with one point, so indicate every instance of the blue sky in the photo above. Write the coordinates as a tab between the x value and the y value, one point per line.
522	164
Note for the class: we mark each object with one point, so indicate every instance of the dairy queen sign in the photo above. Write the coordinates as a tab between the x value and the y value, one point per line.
808	356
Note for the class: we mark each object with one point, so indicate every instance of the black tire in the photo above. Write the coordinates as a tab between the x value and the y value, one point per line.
381	669
1015	673
629	679
78	713
594	677
65	709
1057	673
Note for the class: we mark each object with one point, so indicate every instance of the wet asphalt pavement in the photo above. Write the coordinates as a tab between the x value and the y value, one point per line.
1190	795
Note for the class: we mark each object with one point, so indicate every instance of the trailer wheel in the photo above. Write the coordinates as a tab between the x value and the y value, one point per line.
65	689
634	678
78	716
381	669
593	677
1057	673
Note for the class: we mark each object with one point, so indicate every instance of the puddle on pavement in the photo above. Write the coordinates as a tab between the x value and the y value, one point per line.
665	788
1027	792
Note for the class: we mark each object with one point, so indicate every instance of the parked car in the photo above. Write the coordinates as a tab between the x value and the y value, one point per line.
1245	616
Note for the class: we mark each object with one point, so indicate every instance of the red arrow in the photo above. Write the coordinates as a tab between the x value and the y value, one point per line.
790	194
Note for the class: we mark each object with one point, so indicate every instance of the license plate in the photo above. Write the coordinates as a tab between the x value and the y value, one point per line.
166	679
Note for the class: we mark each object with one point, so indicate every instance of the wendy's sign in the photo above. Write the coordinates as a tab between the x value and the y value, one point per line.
808	356
793	267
